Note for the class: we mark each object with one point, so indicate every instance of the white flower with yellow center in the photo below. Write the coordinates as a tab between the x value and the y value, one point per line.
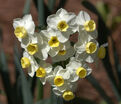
65	51
28	61
58	50
38	47
24	27
87	51
59	78
67	93
78	69
85	24
43	71
63	22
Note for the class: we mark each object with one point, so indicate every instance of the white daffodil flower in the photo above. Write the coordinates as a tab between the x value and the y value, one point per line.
63	22
65	51
61	78
85	24
24	27
28	61
38	47
67	93
87	51
78	69
43	71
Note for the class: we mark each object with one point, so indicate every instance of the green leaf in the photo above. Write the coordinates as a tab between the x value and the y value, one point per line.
103	10
99	89
39	90
6	78
41	13
51	4
2	92
25	88
26	9
89	6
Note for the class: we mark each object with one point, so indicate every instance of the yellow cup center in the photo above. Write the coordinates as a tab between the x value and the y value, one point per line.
62	26
58	81
25	62
90	26
62	52
68	95
20	32
40	72
53	42
101	52
81	72
90	47
32	48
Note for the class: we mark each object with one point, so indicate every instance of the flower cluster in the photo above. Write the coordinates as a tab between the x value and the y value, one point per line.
69	60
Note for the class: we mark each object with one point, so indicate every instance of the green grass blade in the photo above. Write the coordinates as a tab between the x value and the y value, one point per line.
26	9
25	88
39	90
6	78
51	4
89	6
41	14
100	90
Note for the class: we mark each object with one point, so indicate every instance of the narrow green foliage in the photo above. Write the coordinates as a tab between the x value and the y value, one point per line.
41	13
25	88
6	78
39	90
26	9
51	4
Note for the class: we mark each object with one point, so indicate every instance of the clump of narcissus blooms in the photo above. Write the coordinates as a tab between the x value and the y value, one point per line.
72	58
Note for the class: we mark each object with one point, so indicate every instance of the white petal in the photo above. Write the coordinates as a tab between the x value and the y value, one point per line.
17	22
82	17
53	52
25	41
70	52
62	36
31	71
61	12
74	77
29	24
89	59
57	92
50	79
43	80
52	21
48	67
57	69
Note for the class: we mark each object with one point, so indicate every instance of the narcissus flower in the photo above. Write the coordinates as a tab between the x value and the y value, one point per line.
38	47
87	51
65	51
43	71
80	69
28	62
63	22
24	27
67	93
69	58
85	24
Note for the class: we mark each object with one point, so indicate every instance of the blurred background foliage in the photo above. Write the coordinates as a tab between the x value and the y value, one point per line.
24	89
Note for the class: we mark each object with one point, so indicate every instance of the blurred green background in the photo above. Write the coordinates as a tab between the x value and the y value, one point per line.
102	87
